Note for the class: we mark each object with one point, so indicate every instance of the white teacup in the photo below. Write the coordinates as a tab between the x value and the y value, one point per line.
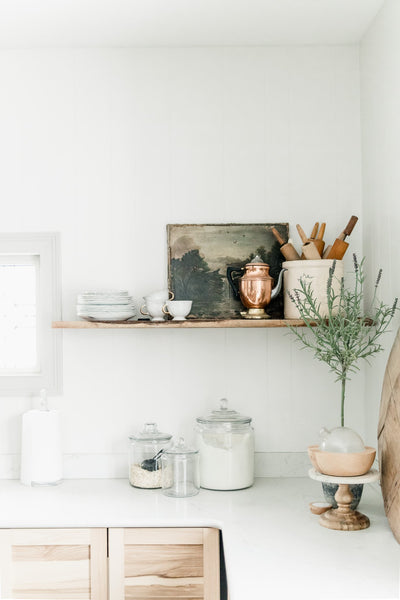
153	308
178	309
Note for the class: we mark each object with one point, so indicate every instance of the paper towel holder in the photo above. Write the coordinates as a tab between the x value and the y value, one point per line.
41	456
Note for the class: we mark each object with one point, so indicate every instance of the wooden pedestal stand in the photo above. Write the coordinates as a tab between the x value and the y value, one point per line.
343	518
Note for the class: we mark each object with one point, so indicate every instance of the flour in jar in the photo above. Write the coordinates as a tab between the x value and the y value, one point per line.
226	460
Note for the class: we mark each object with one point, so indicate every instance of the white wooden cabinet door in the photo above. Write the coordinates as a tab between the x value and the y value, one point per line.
164	563
53	564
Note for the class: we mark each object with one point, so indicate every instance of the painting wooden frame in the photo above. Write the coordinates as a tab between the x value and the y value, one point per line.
198	257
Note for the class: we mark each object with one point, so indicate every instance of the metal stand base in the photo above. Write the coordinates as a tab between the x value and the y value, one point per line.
255	313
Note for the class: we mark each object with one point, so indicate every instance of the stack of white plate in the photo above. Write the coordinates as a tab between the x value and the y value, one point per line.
106	306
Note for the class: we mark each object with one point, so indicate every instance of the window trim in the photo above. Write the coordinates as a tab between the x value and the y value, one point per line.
47	246
32	260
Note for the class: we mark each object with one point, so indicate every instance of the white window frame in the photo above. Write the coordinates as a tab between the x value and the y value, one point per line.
49	376
32	260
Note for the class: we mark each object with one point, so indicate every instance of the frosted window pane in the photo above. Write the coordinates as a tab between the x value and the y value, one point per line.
18	343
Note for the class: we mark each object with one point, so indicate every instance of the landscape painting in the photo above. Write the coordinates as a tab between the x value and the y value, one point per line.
198	257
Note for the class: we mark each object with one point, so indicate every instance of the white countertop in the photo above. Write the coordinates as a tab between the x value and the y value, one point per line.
274	547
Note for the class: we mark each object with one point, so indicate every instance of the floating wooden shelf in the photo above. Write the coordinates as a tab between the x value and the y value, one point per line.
188	324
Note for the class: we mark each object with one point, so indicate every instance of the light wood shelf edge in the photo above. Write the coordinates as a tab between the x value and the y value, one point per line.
188	324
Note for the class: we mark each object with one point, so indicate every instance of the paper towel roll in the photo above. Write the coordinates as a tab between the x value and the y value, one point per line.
41	458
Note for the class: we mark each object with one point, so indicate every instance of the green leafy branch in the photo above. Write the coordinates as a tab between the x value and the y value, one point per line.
346	332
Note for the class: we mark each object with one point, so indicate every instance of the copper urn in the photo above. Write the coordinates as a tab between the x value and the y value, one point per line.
255	288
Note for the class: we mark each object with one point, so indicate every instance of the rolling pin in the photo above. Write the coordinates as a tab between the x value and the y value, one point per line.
287	249
309	249
327	250
314	231
302	235
318	239
303	238
339	247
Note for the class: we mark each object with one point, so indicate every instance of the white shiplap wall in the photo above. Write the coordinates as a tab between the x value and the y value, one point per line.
107	146
380	100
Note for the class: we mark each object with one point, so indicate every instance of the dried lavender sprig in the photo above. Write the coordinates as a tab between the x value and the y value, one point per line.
355	263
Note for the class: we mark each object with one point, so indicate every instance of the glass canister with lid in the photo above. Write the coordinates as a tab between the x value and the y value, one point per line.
145	450
180	471
225	440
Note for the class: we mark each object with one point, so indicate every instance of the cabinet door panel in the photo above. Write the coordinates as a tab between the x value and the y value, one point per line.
170	560
54	564
156	589
50	552
157	563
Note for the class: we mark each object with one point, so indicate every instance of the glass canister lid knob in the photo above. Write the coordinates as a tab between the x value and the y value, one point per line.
150	433
223	404
224	415
181	448
150	428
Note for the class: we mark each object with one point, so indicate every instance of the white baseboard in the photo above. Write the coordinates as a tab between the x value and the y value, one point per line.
282	464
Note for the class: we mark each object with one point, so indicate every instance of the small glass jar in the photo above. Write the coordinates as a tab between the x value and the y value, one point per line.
225	440
144	464
180	471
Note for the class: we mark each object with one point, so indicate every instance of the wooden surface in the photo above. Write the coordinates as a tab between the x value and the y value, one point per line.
54	564
343	518
189	323
144	563
211	564
389	439
156	563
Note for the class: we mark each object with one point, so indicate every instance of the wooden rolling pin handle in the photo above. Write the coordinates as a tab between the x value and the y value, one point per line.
314	231
350	226
321	232
302	235
278	236
287	249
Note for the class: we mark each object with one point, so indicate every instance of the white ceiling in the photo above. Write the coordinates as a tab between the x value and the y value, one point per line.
26	23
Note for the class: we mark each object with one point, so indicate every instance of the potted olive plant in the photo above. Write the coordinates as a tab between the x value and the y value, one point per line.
349	332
